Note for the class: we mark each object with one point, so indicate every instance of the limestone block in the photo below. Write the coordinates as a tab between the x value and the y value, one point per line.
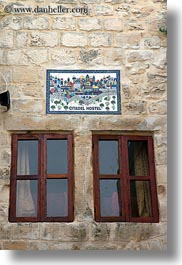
25	74
159	107
113	57
44	39
137	68
134	25
100	39
155	244
113	24
153	91
5	173
134	56
37	56
64	56
161	156
4	140
5	158
74	39
2	57
89	24
21	39
17	57
65	232
91	56
27	106
153	42
157	78
37	22
136	107
3	213
154	123
63	23
6	40
11	22
25	122
127	40
103	10
161	174
100	232
160	60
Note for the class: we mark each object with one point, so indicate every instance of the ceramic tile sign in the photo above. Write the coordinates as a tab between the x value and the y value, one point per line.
83	92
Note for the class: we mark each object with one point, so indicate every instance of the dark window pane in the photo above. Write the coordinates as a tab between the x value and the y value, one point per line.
108	157
27	157
57	162
57	197
110	197
140	198
138	158
26	198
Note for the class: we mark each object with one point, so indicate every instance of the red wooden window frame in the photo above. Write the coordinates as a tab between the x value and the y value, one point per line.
125	178
41	177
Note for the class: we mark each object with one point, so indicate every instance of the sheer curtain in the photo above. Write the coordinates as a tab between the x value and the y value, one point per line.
24	200
142	187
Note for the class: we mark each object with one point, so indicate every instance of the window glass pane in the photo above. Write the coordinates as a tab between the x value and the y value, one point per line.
108	157
110	197
140	198
27	157
26	198
138	158
57	197
57	157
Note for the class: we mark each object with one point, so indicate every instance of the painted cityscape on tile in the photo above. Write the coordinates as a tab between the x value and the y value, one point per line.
83	92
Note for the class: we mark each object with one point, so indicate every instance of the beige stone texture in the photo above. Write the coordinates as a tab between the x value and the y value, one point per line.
120	35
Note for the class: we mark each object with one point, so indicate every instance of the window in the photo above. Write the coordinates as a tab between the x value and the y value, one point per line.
41	178
124	179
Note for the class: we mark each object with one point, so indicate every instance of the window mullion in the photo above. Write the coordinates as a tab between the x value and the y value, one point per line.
42	179
125	178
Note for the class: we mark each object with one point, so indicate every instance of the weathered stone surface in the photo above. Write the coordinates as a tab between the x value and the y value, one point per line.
2	57
21	39
136	107
17	57
6	40
158	107
100	39
66	23
64	56
44	39
65	232
113	57
27	106
11	22
103	10
89	24
37	56
74	39
127	40
134	56
25	74
36	22
113	24
91	56
153	42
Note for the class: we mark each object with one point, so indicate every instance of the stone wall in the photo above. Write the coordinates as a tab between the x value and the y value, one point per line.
115	34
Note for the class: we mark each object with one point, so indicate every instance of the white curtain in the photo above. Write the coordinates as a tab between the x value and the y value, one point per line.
24	201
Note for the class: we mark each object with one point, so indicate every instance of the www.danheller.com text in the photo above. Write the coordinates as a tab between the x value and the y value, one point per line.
59	9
